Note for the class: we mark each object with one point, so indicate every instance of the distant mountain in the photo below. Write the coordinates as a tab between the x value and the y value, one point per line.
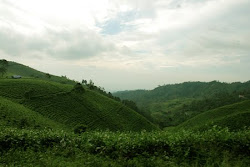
58	101
183	90
170	105
235	116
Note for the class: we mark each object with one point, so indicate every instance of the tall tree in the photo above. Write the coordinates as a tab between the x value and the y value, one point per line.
84	82
91	85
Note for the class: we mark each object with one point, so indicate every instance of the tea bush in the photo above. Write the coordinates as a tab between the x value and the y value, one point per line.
210	148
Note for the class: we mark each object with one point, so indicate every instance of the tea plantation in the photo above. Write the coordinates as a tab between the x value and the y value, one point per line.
215	147
46	120
235	116
59	103
16	115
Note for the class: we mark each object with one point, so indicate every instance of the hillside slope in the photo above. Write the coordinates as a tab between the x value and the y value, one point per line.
14	68
18	116
59	103
235	116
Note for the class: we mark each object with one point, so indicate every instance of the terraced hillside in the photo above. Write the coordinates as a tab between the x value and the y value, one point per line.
16	115
235	116
59	103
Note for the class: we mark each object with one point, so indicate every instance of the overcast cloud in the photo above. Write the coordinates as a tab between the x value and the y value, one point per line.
129	44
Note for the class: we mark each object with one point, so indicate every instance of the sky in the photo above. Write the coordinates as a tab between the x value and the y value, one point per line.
129	44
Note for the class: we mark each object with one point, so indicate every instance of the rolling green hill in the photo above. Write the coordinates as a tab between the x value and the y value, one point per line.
234	116
59	103
14	68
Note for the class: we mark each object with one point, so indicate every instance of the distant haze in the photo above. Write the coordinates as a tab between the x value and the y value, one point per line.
129	44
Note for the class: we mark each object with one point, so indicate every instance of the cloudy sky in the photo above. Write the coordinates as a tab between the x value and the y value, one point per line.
129	44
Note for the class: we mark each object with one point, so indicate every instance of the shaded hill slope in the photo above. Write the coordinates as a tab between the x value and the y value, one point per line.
234	116
16	115
59	103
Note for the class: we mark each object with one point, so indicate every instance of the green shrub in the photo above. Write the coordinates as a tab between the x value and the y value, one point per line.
214	147
80	129
78	88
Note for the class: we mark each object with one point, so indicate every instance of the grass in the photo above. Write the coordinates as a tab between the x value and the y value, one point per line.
215	147
234	116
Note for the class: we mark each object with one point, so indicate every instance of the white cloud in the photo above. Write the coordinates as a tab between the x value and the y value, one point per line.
155	38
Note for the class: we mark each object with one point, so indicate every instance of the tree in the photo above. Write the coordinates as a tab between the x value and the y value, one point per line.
80	129
91	85
78	88
84	82
110	95
48	75
91	82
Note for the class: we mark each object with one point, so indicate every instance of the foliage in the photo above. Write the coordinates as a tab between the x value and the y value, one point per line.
215	147
84	82
48	75
78	88
130	104
91	85
234	116
80	129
